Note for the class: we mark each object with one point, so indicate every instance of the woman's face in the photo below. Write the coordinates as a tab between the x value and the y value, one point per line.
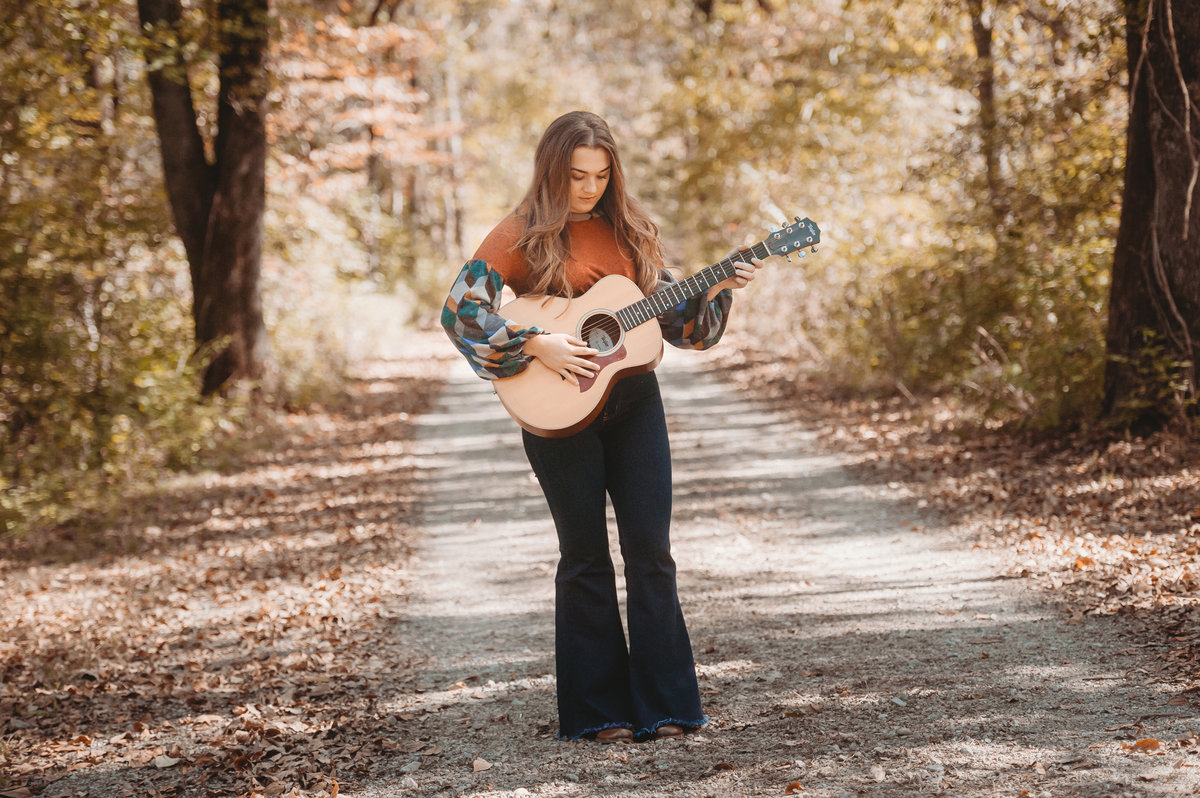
590	171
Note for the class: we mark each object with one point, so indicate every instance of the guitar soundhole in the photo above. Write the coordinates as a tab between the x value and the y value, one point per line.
601	331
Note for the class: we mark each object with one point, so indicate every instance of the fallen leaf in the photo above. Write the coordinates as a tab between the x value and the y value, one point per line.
1083	563
793	788
208	718
878	773
723	766
480	764
164	761
1143	746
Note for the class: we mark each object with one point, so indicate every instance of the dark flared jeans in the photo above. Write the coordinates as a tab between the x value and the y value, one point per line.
602	682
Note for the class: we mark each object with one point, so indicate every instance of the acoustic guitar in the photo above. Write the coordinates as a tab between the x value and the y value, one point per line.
616	319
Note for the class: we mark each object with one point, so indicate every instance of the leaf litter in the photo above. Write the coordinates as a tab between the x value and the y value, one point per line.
229	636
1111	525
236	625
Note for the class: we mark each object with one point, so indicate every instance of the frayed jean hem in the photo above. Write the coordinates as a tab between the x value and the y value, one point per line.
595	729
689	725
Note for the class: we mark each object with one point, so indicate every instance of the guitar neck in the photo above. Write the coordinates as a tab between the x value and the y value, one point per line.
675	294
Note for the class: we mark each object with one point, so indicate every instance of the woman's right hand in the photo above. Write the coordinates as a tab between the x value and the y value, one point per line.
565	355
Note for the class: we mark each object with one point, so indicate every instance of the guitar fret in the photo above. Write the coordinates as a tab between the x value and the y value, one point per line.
677	293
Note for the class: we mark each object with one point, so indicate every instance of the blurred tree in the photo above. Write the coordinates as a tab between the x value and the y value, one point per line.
352	178
978	193
1154	308
990	135
706	7
352	129
95	389
217	189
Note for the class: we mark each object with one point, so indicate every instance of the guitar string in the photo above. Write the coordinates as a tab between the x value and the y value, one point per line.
645	309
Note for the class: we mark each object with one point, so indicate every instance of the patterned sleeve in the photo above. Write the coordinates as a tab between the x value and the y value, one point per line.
492	345
696	323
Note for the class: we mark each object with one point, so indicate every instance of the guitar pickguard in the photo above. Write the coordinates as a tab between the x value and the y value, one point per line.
616	356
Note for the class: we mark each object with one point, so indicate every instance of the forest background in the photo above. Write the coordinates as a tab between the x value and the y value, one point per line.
963	159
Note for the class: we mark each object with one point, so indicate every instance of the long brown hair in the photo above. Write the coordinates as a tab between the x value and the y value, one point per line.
547	205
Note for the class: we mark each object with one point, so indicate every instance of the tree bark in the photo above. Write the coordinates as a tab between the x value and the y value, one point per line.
989	125
218	206
1154	305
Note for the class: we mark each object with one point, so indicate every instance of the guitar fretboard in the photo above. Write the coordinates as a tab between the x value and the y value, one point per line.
675	294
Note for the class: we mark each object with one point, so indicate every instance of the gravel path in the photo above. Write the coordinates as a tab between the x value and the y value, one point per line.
845	645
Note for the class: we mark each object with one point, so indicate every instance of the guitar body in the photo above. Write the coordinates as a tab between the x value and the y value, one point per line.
543	402
615	319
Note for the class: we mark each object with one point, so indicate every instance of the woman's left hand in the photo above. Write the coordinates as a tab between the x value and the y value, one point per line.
743	274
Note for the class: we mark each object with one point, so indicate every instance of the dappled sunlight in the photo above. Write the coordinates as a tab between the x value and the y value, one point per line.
912	557
232	612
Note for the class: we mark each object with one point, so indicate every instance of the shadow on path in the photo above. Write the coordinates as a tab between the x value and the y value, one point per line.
842	643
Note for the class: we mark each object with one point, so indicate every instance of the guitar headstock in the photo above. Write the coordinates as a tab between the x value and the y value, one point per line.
800	235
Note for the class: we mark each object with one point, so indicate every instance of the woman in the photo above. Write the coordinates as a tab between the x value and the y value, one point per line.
575	225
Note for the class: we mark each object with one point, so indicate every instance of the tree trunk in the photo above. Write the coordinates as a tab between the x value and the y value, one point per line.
1154	304
454	198
219	206
989	126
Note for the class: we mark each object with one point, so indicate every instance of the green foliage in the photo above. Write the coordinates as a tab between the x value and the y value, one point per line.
96	389
868	120
395	147
1033	262
1162	386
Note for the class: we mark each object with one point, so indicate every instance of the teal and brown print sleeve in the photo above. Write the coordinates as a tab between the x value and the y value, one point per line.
492	345
695	323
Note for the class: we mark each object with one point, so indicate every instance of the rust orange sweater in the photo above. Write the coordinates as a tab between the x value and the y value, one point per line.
594	254
494	345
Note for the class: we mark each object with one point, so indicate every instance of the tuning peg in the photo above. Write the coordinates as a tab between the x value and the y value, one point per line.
799	253
787	257
814	248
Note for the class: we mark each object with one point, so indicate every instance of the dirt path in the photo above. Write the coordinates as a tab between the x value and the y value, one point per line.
845	646
314	623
